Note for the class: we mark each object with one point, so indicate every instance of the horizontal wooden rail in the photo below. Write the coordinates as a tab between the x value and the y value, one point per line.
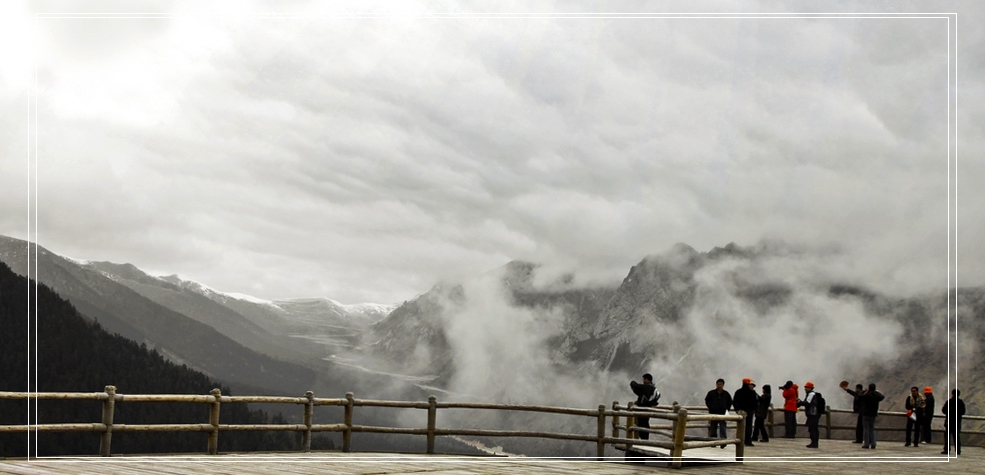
19	395
515	407
163	428
711	443
83	427
398	404
515	433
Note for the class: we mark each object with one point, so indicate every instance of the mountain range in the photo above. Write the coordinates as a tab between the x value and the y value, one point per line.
519	334
243	342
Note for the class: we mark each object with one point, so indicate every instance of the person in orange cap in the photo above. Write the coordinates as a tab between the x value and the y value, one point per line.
928	413
745	399
813	405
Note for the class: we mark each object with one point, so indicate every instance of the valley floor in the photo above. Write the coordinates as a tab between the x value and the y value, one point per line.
780	456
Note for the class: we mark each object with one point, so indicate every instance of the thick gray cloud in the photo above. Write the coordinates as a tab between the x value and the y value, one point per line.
364	159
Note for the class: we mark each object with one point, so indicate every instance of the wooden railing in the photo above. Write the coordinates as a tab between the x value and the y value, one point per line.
681	419
109	398
671	435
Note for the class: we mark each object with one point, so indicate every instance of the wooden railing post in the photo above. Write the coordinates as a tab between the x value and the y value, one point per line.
432	421
600	448
615	420
214	420
631	423
740	431
827	420
109	406
769	421
680	428
347	420
309	410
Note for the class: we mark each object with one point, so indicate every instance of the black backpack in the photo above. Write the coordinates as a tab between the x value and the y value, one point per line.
820	405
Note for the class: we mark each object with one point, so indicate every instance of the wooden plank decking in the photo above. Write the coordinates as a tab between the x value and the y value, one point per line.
780	456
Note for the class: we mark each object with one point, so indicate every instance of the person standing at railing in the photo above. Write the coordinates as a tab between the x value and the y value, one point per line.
791	393
870	410
718	401
745	399
856	408
953	410
915	405
646	396
813	405
928	413
762	412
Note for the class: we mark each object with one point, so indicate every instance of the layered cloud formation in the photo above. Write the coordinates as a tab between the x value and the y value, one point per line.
366	157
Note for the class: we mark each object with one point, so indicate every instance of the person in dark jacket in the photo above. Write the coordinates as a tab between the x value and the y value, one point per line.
762	412
857	409
745	399
646	396
791	393
915	404
813	410
928	413
870	409
953	410
718	401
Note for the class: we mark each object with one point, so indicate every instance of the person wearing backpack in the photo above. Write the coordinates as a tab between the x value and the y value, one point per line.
646	396
745	399
814	406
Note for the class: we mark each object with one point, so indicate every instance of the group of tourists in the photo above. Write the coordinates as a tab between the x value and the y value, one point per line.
757	406
919	415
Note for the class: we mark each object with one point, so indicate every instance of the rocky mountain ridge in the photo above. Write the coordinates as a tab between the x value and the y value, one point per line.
689	316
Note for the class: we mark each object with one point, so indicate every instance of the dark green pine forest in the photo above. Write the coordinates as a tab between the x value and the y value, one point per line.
76	355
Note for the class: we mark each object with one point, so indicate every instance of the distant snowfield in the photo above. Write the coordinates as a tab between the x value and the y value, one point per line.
403	377
81	262
248	298
356	308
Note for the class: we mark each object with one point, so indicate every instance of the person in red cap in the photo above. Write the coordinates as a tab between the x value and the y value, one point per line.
928	413
746	399
813	405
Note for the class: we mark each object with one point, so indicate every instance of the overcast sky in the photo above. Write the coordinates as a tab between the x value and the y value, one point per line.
365	158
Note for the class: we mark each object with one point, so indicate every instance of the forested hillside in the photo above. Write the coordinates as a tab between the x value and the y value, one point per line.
75	355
